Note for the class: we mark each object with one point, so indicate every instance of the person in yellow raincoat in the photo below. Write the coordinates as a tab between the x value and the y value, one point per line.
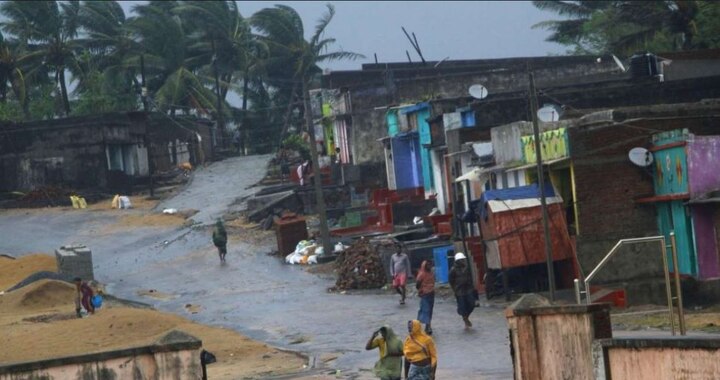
420	353
389	367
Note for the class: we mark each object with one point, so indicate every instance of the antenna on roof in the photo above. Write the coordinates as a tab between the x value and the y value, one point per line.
414	43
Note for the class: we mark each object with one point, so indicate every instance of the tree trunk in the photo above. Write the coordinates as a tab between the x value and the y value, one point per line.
220	119
324	230
63	90
244	131
287	113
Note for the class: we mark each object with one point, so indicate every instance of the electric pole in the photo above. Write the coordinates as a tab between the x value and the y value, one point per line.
319	196
148	140
541	185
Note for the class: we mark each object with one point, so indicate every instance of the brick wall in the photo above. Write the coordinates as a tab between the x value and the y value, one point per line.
607	184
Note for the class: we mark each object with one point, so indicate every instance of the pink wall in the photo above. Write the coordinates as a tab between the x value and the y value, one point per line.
703	156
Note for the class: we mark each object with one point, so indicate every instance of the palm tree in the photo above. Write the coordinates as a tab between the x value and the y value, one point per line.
284	35
172	61
47	30
572	30
106	78
226	42
623	26
11	74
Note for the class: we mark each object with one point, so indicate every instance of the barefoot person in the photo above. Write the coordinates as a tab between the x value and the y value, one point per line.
420	353
83	297
220	239
425	284
400	271
463	287
389	367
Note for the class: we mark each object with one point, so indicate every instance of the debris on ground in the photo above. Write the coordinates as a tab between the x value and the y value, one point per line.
306	252
360	267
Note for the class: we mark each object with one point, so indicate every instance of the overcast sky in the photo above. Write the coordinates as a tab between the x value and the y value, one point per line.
455	29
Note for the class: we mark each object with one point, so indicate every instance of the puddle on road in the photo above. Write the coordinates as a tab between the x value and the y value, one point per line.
158	295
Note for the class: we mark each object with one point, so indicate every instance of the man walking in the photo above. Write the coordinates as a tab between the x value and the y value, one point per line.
400	271
389	367
219	238
463	286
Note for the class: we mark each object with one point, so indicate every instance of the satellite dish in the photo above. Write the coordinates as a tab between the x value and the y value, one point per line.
549	113
478	91
640	157
619	63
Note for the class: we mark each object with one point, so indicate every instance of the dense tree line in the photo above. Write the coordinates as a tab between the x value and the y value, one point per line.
626	27
65	58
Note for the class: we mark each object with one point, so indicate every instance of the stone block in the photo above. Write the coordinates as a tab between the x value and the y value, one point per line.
75	261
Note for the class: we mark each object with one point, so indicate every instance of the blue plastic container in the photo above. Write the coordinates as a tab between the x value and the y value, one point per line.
442	257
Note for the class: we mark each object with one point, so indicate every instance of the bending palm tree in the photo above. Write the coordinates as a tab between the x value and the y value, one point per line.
47	30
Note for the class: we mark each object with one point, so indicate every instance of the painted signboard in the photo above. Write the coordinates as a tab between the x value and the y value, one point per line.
554	145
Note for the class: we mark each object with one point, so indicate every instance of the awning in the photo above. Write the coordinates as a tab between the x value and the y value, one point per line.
516	204
702	201
453	154
533	165
414	108
709	197
664	198
475	175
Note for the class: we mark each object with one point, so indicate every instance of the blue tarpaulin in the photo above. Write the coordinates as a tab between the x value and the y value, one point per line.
414	108
523	192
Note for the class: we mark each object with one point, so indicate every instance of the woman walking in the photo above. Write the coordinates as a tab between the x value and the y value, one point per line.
420	353
425	284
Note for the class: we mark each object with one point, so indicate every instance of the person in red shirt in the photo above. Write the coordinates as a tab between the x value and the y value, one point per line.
425	284
83	297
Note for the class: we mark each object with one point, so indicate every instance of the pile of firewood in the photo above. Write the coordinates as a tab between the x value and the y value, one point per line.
360	267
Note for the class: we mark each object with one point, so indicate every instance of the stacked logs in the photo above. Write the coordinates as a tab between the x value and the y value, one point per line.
360	267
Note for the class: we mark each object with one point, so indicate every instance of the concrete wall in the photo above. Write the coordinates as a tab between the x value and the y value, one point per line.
176	356
74	152
374	87
658	359
53	153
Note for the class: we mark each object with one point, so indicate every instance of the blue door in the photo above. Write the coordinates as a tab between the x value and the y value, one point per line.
406	160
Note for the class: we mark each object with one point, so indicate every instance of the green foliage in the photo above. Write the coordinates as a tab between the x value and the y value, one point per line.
295	142
193	54
624	27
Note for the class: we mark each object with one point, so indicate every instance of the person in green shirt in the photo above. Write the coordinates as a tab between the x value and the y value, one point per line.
389	367
219	238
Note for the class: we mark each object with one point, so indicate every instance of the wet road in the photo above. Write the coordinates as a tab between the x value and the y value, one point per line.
254	293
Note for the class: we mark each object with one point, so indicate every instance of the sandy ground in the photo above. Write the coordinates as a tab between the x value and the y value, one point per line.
44	312
13	271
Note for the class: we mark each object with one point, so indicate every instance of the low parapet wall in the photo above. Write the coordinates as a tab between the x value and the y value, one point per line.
175	356
657	358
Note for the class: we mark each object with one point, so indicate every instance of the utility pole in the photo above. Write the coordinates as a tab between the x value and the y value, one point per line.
147	140
320	199
541	185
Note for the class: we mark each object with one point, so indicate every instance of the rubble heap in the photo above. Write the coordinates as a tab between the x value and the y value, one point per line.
360	267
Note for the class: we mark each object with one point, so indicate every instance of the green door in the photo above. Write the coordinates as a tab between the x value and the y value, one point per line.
674	216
